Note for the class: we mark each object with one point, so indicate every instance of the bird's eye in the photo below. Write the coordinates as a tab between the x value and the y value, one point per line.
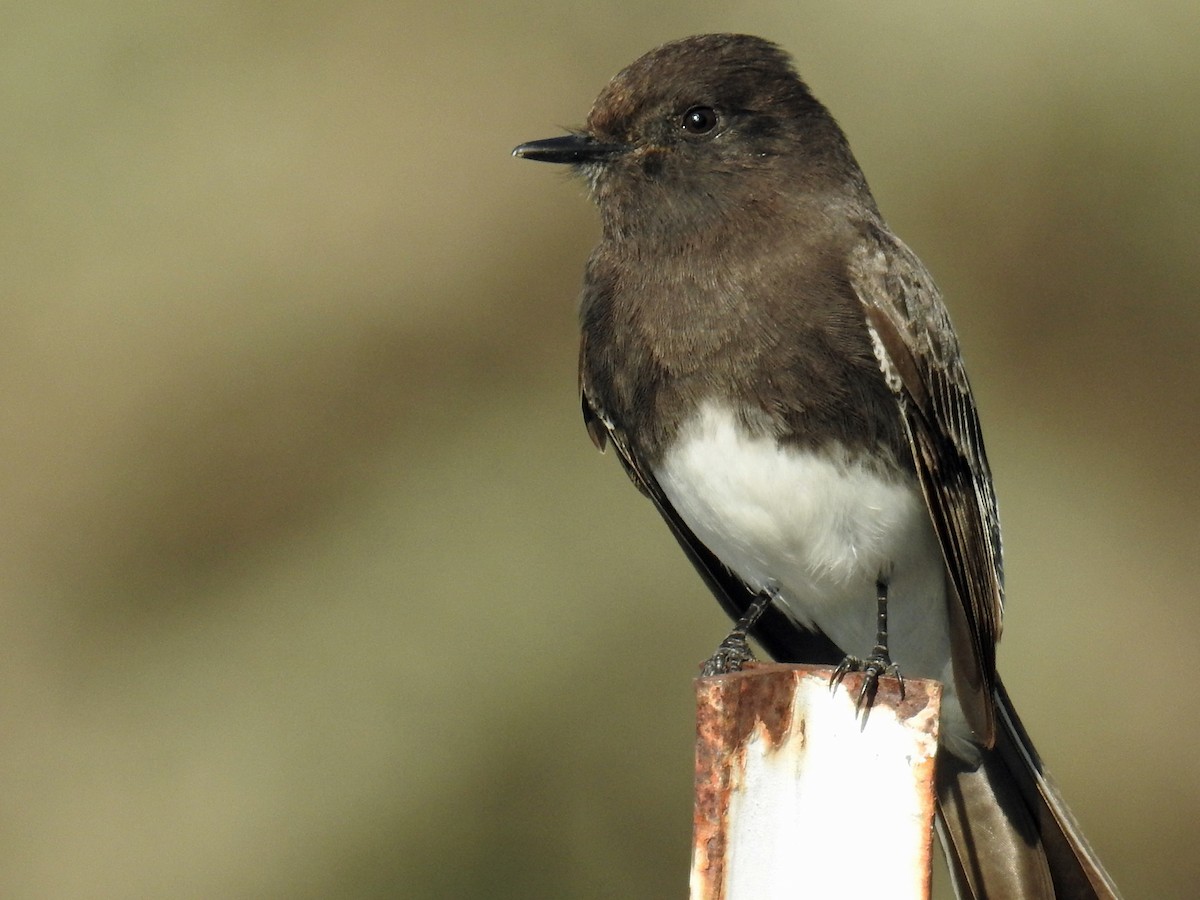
699	120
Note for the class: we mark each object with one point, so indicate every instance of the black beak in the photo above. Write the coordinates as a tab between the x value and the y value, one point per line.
571	148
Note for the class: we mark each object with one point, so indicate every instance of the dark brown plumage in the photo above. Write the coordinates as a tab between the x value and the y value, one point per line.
747	306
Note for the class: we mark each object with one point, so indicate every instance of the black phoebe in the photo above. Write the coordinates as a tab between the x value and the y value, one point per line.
777	372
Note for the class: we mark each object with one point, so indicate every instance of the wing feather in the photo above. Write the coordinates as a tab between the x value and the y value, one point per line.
919	356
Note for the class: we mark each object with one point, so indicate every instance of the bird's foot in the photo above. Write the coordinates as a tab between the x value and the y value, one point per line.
874	667
731	656
734	652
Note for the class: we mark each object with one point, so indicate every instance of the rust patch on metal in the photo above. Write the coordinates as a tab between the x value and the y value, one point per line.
713	776
730	710
917	693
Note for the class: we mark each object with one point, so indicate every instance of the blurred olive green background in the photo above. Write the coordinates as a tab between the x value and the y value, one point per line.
312	585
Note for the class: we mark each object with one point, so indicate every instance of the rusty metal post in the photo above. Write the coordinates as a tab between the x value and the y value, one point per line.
797	797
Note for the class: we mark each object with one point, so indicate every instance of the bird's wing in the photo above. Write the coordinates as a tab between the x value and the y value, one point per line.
918	354
782	638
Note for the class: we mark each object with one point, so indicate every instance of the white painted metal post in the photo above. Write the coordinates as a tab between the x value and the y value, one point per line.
797	796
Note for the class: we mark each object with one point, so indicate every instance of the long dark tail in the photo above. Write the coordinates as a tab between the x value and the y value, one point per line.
1007	831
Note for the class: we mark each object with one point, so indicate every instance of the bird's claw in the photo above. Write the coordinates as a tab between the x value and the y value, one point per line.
731	656
874	667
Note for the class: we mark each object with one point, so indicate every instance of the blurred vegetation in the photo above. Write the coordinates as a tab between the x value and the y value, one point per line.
312	585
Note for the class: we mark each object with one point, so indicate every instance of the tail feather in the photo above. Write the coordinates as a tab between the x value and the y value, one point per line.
1007	831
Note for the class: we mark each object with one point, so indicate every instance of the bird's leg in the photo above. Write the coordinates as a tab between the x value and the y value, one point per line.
879	663
734	652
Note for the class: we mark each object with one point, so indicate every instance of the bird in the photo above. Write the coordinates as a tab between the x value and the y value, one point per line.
777	372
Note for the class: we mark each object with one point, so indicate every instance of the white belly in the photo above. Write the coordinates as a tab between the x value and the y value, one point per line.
821	531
